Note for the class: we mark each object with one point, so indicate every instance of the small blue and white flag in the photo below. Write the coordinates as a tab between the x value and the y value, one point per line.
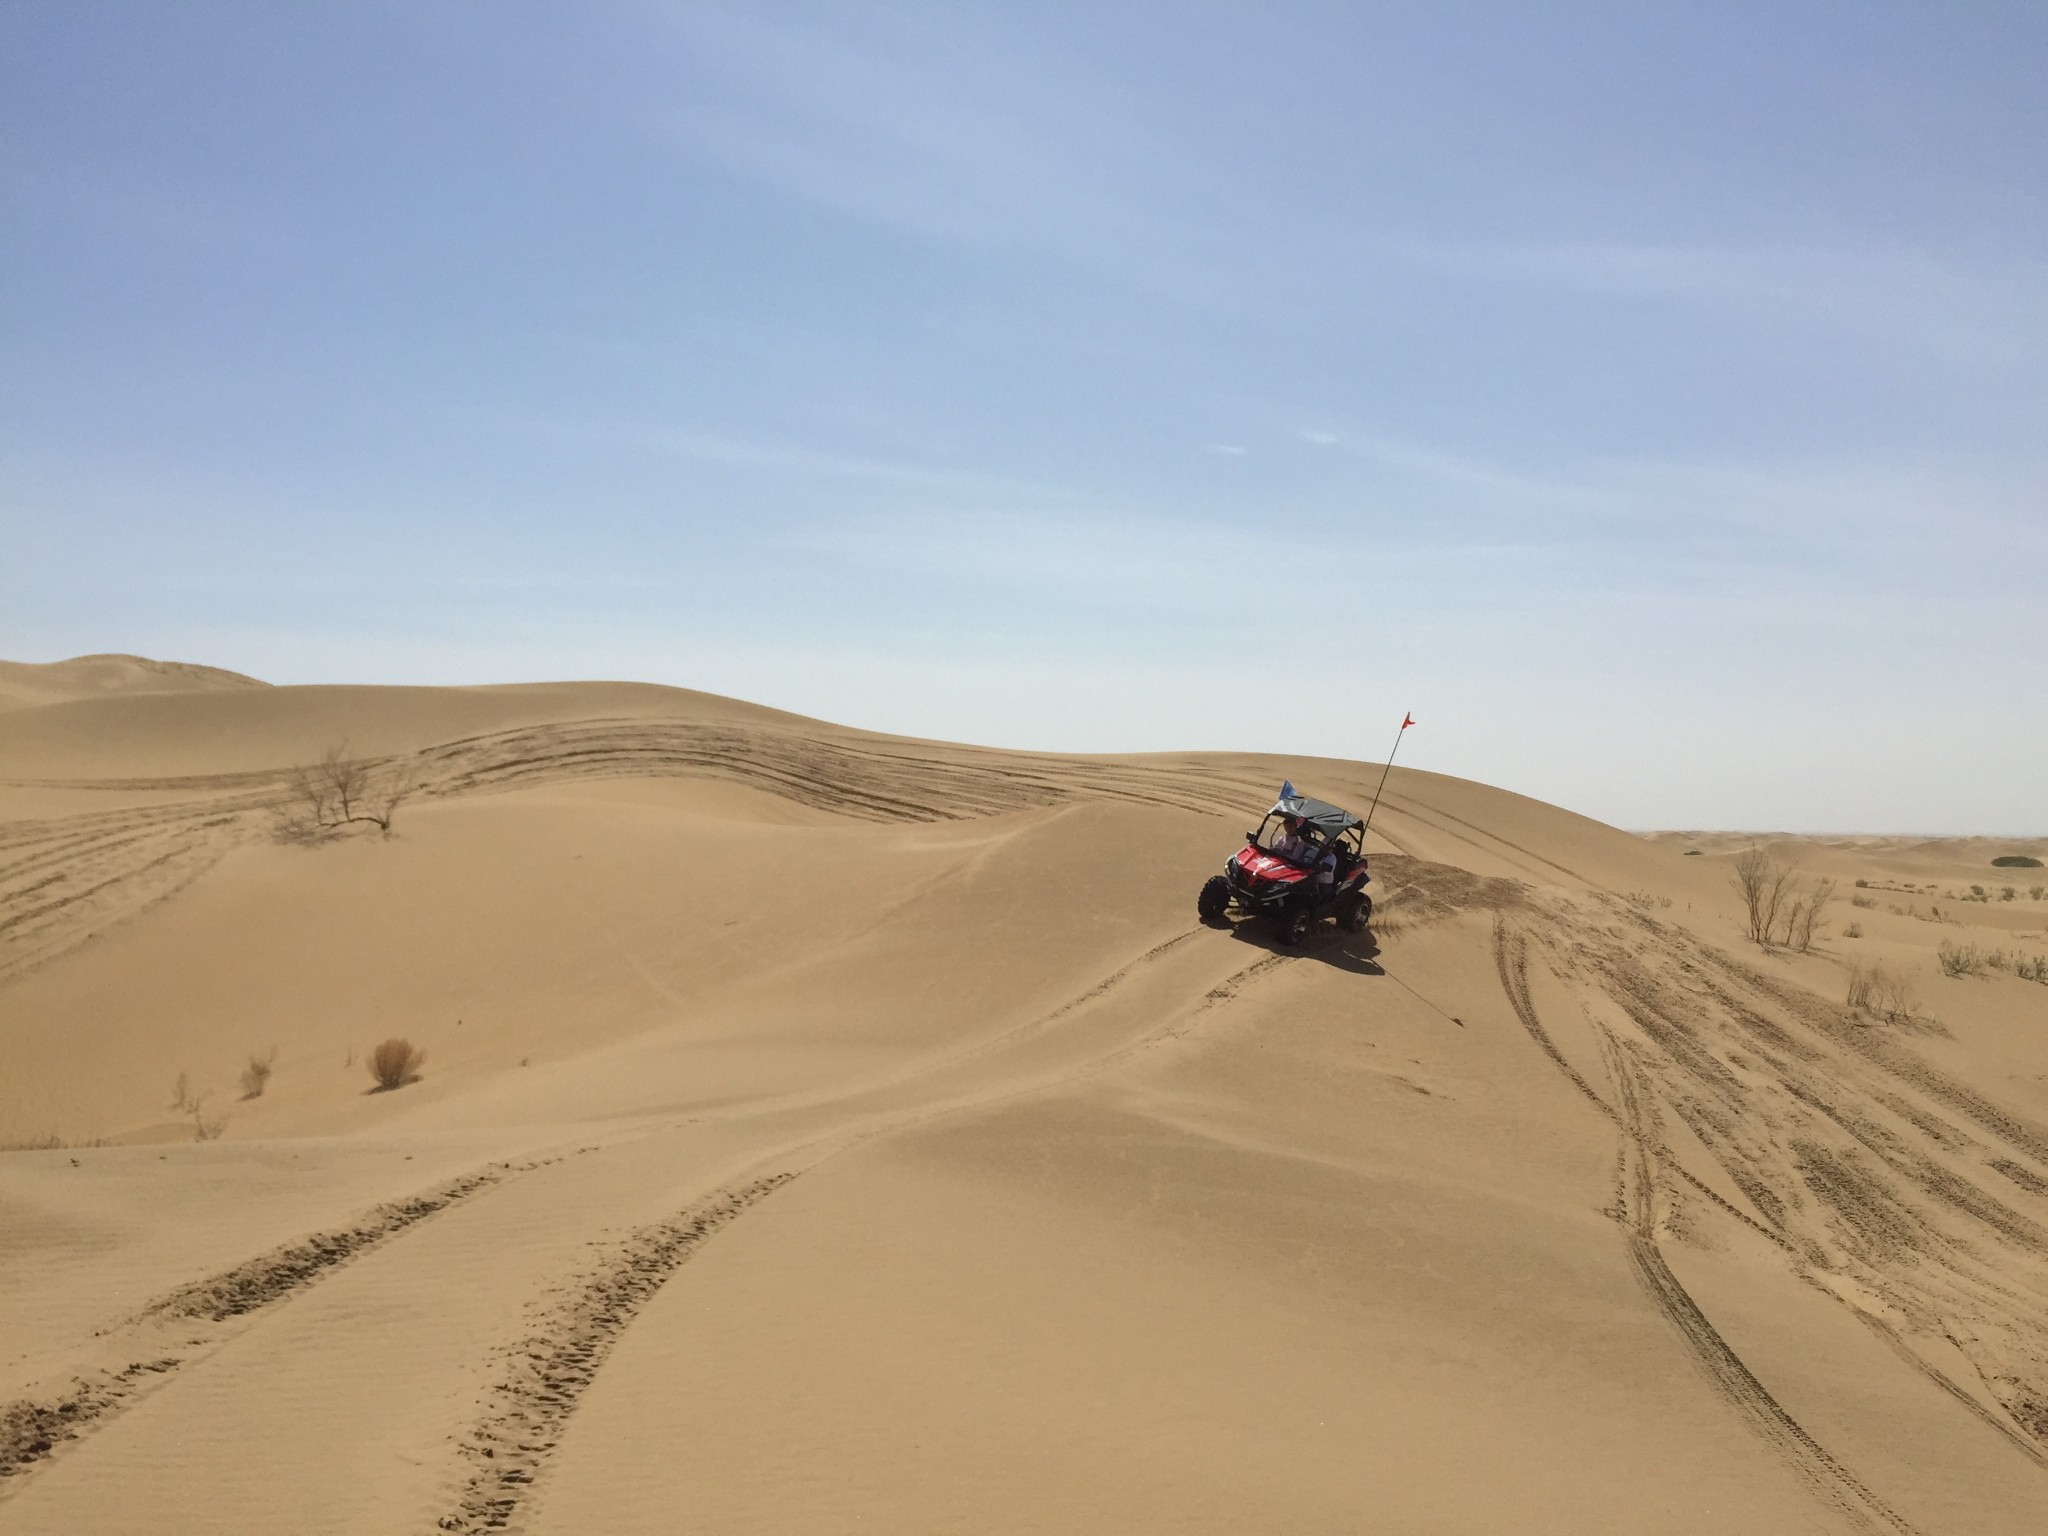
1287	790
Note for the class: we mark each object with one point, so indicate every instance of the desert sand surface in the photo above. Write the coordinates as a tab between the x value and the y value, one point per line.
821	1131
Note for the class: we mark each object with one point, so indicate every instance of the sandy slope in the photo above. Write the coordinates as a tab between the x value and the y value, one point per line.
824	1131
86	677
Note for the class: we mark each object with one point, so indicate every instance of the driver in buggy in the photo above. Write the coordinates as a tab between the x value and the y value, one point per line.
1296	846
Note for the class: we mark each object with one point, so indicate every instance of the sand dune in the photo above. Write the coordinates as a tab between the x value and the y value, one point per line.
25	683
822	1130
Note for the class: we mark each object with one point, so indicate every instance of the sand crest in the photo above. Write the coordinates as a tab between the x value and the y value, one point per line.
820	1130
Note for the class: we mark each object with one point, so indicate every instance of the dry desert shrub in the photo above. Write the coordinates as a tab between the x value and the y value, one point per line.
256	1075
1881	992
1775	910
1960	959
395	1063
1807	921
1862	901
339	790
1853	931
50	1143
1763	884
2031	968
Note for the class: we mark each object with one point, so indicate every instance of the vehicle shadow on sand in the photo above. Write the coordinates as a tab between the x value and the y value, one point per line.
1355	953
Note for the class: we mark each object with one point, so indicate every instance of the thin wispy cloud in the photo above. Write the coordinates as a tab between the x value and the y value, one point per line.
929	123
977	370
1972	308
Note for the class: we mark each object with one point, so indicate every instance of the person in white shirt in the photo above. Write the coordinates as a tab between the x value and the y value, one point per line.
1295	846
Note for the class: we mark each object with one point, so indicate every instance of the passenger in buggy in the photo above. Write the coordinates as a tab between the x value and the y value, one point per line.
1297	847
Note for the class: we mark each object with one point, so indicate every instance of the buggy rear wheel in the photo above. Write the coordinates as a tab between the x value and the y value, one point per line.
1214	900
1356	912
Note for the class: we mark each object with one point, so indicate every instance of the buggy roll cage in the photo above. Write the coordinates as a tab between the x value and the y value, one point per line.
1329	826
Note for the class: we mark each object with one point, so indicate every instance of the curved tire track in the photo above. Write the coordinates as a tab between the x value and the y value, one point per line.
1723	1369
547	1373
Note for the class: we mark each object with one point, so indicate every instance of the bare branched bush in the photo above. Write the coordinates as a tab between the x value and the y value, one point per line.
1859	987
1853	931
207	1127
1755	871
1881	992
181	1096
1769	902
1960	959
256	1075
395	1063
339	791
1807	918
1892	995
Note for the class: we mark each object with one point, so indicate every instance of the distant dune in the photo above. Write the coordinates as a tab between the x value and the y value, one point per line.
25	683
822	1130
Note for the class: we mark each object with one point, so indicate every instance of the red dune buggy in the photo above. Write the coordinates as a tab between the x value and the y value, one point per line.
1305	862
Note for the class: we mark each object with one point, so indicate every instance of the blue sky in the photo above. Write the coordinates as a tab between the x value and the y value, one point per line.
1653	398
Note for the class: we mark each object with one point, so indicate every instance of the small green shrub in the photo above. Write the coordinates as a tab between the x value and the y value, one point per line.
1862	901
2015	861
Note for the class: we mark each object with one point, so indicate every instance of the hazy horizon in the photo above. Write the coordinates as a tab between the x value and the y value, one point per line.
1653	402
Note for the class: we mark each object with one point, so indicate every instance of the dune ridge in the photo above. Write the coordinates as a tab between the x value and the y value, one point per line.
25	683
1085	1215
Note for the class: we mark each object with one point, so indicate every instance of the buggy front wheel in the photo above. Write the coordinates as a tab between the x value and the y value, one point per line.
1294	927
1214	900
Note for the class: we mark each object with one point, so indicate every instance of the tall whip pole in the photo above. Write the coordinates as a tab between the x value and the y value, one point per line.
1406	721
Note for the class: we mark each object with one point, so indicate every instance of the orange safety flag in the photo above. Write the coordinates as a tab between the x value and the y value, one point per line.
1406	720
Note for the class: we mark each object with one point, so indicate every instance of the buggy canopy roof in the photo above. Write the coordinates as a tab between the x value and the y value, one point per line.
1325	818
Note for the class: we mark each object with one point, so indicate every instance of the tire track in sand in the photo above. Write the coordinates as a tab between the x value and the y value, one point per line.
32	1430
1723	1369
1511	962
547	1373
